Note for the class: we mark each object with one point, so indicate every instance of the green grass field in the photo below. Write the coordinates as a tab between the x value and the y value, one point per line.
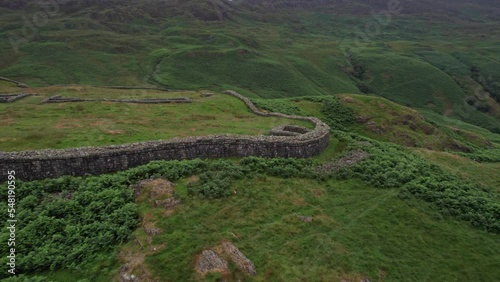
29	125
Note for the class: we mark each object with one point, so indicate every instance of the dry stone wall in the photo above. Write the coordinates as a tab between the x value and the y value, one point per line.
17	83
9	98
135	88
60	99
30	165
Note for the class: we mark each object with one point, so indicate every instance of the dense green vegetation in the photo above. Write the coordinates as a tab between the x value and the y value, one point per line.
464	167
390	166
337	115
486	155
66	221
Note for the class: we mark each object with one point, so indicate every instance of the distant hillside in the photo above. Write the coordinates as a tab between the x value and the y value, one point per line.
438	55
213	9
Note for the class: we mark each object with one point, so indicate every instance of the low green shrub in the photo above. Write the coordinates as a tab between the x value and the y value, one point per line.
484	155
212	185
391	166
337	115
66	221
63	222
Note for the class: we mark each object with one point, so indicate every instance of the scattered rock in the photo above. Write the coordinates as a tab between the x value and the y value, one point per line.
125	276
159	193
373	126
124	268
167	203
216	260
239	258
129	278
363	119
347	99
22	85
407	119
151	230
209	261
206	94
349	160
306	218
134	268
155	188
459	147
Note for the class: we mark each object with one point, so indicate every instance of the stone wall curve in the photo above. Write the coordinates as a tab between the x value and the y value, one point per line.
52	163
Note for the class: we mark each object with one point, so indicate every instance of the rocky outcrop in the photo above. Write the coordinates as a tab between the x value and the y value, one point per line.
241	261
209	261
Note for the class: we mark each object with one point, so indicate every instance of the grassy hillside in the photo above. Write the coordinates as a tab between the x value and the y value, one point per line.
346	214
467	168
290	48
354	230
364	217
387	121
407	190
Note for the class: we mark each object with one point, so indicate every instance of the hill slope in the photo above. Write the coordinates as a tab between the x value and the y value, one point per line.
407	189
437	55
